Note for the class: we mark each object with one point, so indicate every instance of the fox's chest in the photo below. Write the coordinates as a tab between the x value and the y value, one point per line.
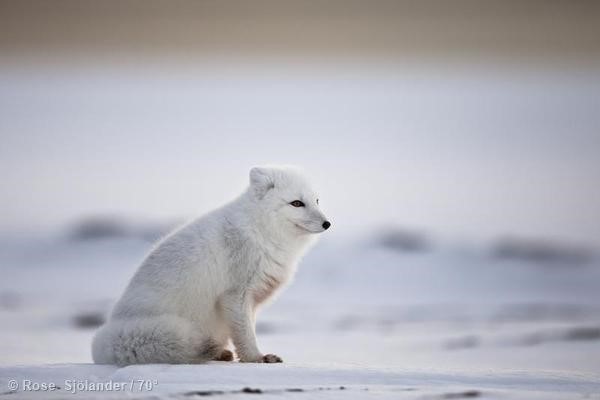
268	280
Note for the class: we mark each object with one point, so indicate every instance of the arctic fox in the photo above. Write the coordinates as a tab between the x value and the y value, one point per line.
200	286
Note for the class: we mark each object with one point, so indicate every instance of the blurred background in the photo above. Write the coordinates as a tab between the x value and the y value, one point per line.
454	145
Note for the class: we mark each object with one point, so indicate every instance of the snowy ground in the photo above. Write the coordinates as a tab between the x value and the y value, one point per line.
230	380
361	320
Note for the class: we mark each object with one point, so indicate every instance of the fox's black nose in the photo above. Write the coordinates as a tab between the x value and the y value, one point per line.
326	225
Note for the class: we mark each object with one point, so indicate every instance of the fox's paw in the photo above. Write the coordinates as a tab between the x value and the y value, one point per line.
271	358
226	355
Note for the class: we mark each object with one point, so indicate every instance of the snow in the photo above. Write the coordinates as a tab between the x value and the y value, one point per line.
449	321
326	381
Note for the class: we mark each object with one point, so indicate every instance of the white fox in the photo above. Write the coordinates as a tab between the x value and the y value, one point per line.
200	286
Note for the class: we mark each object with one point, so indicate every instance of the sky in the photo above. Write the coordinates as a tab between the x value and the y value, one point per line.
465	119
471	150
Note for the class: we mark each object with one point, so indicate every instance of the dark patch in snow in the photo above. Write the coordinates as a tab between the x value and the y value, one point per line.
203	393
112	227
251	390
467	394
465	342
330	388
88	320
577	333
545	312
541	252
403	240
10	300
583	333
99	228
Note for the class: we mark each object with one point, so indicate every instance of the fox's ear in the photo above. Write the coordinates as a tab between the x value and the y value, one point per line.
261	181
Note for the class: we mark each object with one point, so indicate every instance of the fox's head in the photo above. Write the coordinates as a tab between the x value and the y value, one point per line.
287	200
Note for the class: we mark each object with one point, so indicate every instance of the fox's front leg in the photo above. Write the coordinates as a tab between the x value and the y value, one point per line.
239	314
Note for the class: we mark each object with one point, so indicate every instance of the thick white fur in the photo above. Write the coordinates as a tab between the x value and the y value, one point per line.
201	285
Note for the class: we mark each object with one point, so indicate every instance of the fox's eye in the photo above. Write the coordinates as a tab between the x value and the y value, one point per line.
317	201
297	203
